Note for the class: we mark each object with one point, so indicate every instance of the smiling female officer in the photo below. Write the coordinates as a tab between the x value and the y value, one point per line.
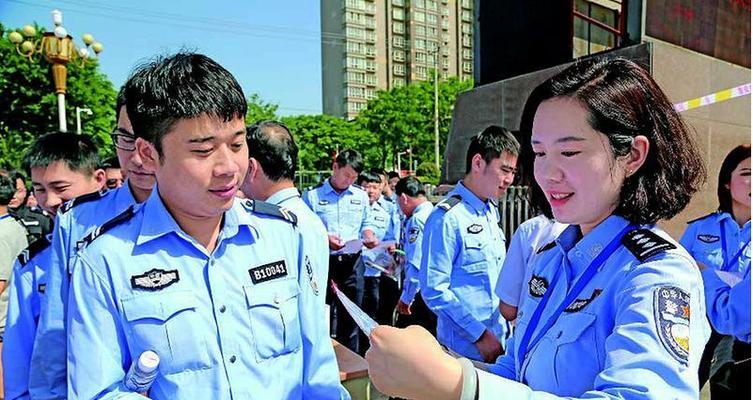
614	307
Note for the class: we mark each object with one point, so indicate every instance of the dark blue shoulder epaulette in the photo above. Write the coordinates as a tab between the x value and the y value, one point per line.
388	199
32	250
357	186
546	247
645	244
269	209
82	199
100	230
704	217
318	185
450	202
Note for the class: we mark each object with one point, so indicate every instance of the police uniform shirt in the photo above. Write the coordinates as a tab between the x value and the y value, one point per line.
411	244
314	236
529	237
26	288
237	323
74	220
345	214
636	330
728	306
386	225
463	251
717	241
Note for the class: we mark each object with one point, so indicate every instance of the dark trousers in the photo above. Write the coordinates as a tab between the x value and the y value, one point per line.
420	315
730	376
369	305
389	294
704	368
344	271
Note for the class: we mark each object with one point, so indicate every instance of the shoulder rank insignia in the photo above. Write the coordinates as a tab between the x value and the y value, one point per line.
449	202
645	244
537	286
708	238
98	231
546	247
474	229
388	199
82	199
155	279
269	209
704	217
32	250
672	317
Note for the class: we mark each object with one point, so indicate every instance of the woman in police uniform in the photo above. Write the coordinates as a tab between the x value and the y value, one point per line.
721	241
614	306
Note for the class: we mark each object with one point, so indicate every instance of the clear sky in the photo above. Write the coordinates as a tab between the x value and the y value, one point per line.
271	46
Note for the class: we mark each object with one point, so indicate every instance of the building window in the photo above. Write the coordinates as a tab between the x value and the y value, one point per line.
445	63
398	2
445	24
398	82
398	69
369	50
370	65
370	94
466	28
420	44
421	57
466	3
421	72
467	41
466	15
398	55
398	13
431	31
418	16
420	30
431	19
431	5
355	33
371	80
419	3
398	41
353	62
355	77
398	27
467	66
353	91
355	107
467	54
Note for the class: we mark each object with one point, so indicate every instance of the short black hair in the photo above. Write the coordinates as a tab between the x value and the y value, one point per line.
7	189
350	157
490	144
369	176
272	145
77	151
181	86
120	102
392	174
111	162
410	186
731	161
623	101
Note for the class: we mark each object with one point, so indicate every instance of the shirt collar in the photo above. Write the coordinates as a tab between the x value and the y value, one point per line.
421	207
124	196
580	252
476	204
282	195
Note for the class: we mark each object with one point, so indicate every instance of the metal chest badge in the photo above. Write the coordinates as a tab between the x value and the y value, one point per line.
672	315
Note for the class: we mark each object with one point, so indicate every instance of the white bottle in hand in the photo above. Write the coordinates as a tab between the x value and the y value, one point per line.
142	373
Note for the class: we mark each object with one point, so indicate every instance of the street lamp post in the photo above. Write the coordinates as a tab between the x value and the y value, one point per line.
435	52
58	49
80	110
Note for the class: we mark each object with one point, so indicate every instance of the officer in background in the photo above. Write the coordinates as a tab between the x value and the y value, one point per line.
273	157
36	223
113	173
412	200
74	220
386	224
464	248
63	165
215	285
344	209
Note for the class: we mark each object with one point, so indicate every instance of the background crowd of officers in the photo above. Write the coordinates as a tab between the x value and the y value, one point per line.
224	270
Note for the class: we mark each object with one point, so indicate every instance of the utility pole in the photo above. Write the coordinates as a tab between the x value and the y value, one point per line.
436	107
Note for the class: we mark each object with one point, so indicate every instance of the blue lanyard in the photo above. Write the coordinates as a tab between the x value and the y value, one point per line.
4	217
526	343
726	265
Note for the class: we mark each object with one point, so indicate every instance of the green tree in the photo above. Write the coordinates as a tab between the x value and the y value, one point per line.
403	118
30	107
259	110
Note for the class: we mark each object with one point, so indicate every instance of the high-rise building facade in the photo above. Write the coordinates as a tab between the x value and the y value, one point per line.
371	45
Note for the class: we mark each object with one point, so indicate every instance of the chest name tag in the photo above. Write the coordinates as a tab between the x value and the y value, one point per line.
537	286
475	228
355	201
579	304
708	238
41	288
267	272
155	279
323	202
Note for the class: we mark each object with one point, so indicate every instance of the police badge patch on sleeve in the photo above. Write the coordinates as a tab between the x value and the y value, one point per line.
672	316
413	234
312	278
154	279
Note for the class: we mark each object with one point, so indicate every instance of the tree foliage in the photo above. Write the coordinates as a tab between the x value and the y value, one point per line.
259	110
30	108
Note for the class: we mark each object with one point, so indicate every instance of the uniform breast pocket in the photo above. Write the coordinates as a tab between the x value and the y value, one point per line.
474	254
273	309
168	324
575	342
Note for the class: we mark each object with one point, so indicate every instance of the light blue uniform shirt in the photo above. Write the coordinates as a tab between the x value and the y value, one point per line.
411	244
530	236
73	221
314	236
636	330
345	214
463	251
703	238
728	307
385	222
241	322
27	287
